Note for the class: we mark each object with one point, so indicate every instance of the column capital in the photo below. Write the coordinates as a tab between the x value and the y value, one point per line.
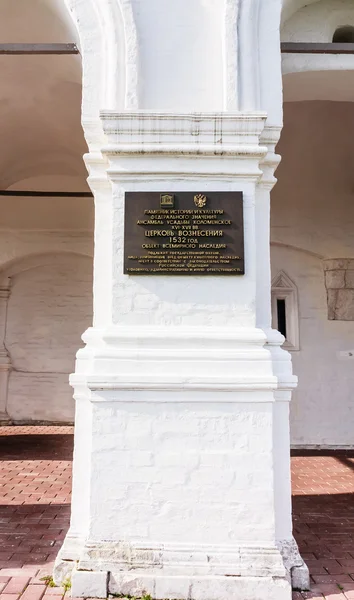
270	137
168	143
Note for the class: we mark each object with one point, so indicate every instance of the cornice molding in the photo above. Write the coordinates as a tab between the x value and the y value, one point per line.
269	138
179	134
177	359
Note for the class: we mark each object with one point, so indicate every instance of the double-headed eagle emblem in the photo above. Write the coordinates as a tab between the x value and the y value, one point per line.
200	200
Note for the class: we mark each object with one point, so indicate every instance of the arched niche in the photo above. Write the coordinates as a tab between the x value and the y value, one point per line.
344	35
285	309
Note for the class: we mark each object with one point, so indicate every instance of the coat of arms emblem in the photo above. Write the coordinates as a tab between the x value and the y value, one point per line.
200	200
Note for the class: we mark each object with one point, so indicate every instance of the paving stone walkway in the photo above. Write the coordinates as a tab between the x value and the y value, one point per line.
35	486
323	516
35	482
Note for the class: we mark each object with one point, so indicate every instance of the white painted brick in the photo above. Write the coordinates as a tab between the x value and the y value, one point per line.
141	459
145	302
220	477
189	460
170	482
49	308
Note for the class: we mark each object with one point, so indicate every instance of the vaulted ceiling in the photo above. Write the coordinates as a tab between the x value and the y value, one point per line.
40	99
314	76
292	6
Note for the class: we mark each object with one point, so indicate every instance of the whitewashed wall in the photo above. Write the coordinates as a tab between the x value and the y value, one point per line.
49	272
50	303
312	218
49	308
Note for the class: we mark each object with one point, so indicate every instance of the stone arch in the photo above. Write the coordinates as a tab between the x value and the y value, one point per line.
258	57
108	43
259	62
248	84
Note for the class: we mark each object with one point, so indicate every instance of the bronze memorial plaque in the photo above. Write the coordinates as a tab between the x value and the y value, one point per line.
183	233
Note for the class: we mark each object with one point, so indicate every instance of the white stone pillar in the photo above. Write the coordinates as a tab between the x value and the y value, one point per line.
282	369
174	452
102	319
5	360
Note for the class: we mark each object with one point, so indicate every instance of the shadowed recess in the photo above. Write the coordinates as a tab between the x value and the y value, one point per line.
37	447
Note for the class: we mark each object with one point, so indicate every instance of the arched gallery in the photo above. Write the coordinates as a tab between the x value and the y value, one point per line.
184	372
311	225
47	241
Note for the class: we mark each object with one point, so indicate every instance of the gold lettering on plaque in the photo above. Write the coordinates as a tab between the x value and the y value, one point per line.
184	234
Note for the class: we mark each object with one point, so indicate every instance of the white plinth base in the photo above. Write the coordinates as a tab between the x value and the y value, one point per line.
165	571
173	491
202	588
295	565
93	584
180	588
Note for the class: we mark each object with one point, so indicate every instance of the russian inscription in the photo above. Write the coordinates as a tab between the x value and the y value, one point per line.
183	233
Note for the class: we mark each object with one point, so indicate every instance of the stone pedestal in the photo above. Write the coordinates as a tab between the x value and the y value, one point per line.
175	390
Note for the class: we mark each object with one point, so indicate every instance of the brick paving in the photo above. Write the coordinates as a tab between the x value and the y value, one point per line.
323	517
35	483
35	478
